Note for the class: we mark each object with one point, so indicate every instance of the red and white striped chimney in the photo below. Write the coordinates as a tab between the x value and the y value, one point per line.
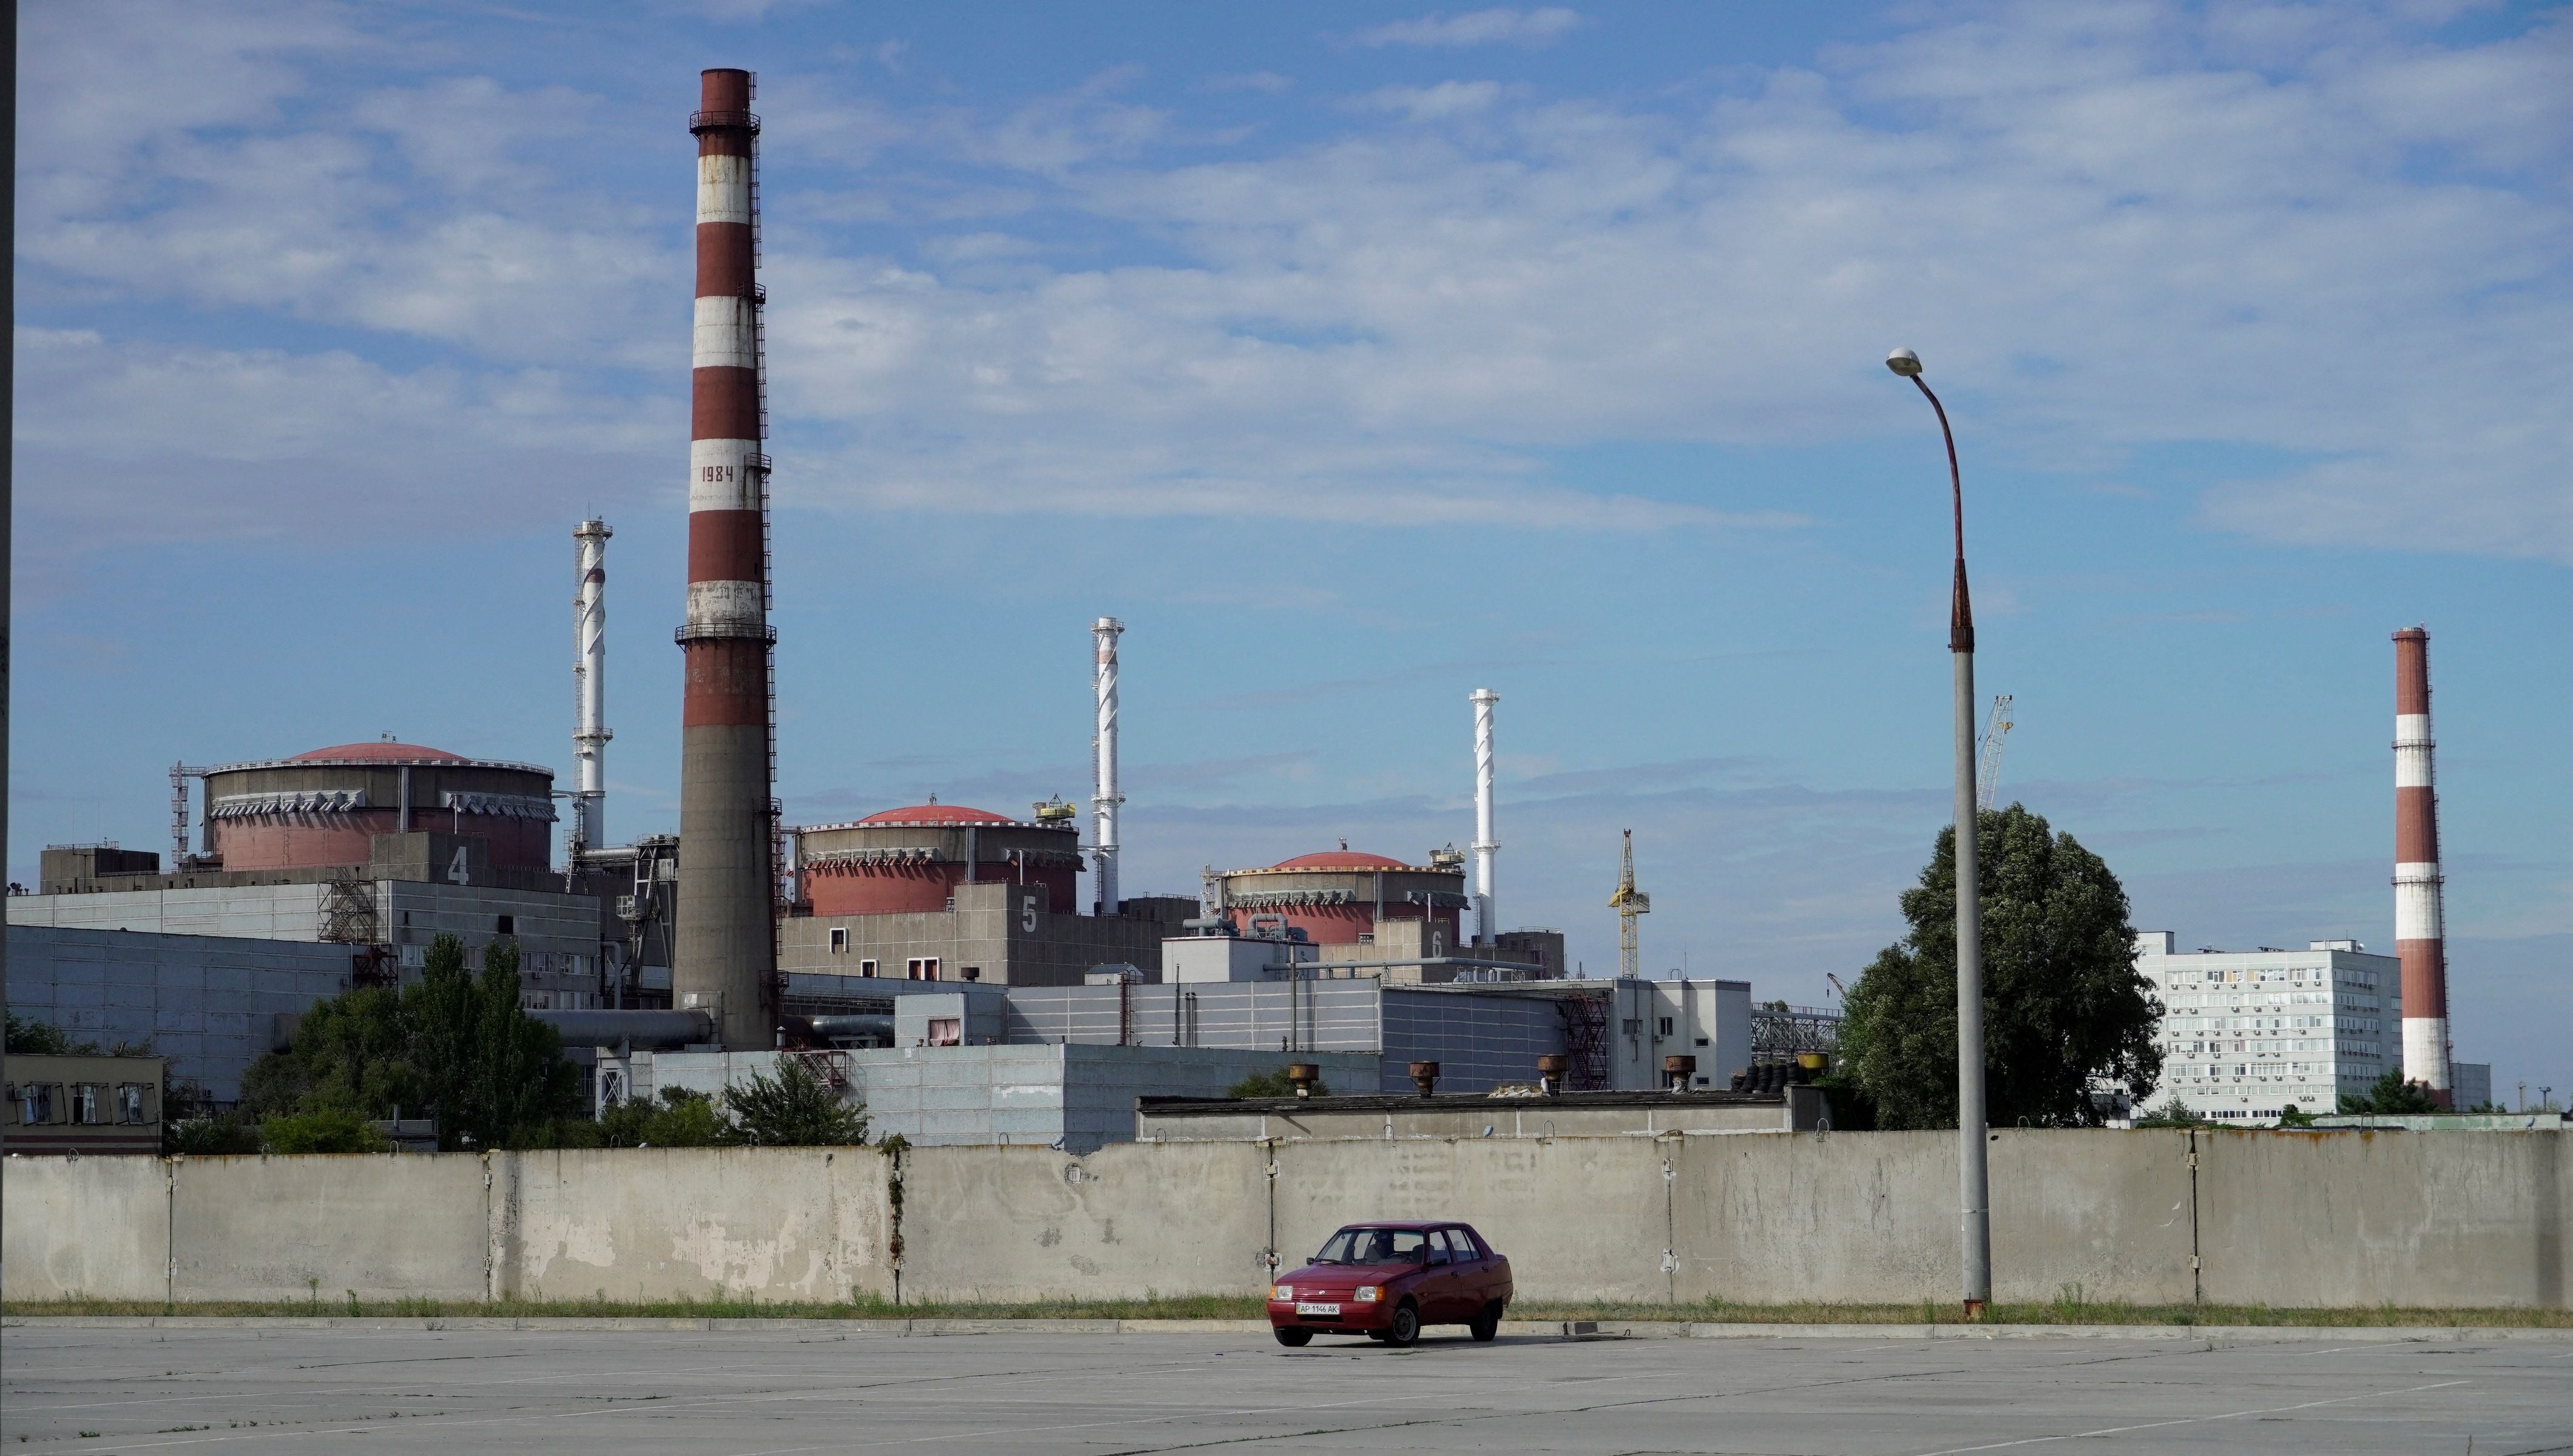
2419	937
724	951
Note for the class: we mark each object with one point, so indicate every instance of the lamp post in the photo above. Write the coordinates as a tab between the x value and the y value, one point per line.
1973	1187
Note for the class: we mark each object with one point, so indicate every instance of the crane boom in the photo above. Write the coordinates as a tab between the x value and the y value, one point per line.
1628	901
1987	773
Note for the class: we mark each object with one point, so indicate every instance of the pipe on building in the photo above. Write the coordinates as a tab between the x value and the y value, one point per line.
853	1025
590	687
2419	924
653	1029
1105	797
1485	846
725	954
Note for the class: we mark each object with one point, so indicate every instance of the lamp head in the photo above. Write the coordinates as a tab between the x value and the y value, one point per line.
1905	362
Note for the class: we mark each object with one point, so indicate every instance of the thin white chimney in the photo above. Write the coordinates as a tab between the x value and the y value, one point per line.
1104	800
590	687
1485	846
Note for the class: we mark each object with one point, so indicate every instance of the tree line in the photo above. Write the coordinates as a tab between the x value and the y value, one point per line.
458	1047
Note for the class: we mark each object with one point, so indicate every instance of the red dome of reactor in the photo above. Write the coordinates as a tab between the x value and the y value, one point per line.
1337	896
323	808
910	861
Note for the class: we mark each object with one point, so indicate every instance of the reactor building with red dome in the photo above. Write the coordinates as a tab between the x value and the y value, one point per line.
325	808
949	891
914	860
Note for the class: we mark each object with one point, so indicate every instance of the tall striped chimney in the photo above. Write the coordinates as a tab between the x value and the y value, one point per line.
589	688
1105	797
723	958
2419	934
1485	846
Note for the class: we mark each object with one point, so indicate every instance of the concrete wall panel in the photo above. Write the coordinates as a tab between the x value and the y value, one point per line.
95	1227
1578	1217
318	1225
788	1223
997	1223
2418	1219
1873	1218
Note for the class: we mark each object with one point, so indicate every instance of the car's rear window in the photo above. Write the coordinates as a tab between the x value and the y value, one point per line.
1375	1246
1463	1244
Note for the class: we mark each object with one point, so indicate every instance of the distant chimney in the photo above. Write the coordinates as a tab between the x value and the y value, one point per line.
1485	846
1103	797
2419	930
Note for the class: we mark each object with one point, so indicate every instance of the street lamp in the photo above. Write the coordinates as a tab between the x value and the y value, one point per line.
1973	1187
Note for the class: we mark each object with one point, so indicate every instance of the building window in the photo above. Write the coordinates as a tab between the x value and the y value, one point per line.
36	1101
866	967
86	1102
839	940
973	972
1665	1024
921	968
130	1103
507	925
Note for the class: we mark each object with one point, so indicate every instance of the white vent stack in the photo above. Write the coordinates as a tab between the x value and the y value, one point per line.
1105	799
590	687
1485	847
2420	936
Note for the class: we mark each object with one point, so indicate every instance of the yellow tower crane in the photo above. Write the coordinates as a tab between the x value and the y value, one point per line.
1628	901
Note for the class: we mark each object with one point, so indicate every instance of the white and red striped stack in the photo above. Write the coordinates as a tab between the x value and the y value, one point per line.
725	952
2419	935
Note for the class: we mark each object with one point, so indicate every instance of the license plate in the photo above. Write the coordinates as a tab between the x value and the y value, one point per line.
1318	1309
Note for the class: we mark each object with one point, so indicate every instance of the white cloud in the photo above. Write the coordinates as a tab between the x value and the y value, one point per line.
135	442
1433	103
1534	29
2108	229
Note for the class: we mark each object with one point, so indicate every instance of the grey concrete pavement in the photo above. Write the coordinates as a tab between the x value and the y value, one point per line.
825	1389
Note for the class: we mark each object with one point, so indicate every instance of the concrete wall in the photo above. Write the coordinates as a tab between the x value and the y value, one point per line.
2419	1219
98	1228
1003	1223
1873	1216
796	1223
2463	1219
319	1225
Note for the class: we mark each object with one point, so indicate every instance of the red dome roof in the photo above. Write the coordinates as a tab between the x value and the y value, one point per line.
1340	860
938	813
378	752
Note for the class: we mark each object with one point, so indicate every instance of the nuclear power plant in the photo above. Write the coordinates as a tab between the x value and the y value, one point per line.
941	957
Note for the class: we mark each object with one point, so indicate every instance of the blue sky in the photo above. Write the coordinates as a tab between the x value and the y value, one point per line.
1359	355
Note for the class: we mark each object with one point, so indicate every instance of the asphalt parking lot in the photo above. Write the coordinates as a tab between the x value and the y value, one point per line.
647	1393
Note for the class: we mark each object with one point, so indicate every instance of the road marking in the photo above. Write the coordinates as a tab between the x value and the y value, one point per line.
2191	1420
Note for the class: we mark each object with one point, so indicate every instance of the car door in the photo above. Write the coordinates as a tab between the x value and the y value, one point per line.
1472	1273
1444	1293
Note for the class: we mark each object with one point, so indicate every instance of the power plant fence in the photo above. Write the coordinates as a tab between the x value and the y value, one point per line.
2458	1219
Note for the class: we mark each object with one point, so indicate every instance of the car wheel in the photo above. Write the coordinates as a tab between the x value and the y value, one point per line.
1488	1325
1404	1329
1293	1339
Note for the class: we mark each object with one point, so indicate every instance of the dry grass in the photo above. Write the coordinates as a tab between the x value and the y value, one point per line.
2071	1309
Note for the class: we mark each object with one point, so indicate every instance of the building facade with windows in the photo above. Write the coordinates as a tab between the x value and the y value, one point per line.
2248	1033
86	1105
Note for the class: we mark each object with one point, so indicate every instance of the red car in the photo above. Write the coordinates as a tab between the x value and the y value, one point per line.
1387	1280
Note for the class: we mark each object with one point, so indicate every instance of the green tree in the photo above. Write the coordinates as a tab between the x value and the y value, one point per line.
323	1130
455	1045
31	1038
2174	1113
795	1109
2292	1115
1273	1084
2390	1094
2062	1004
681	1118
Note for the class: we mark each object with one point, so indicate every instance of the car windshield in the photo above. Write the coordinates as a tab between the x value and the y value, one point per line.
1376	1246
